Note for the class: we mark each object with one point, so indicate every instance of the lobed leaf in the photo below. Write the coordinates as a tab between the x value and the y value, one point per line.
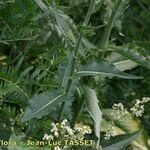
59	19
91	103
132	52
120	142
125	65
124	123
42	104
104	69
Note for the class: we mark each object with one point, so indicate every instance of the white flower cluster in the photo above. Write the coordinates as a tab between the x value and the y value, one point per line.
83	129
66	127
48	137
57	148
120	106
63	129
111	132
107	136
55	129
138	108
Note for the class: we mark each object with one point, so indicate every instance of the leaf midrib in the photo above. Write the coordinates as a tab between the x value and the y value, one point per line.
46	105
112	74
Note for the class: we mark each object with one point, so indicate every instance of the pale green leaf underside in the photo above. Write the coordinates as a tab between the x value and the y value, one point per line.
122	141
42	104
132	53
104	69
60	20
91	103
124	124
125	65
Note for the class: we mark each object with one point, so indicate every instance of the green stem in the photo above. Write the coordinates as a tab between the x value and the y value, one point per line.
108	29
73	61
89	13
72	64
61	111
81	106
78	114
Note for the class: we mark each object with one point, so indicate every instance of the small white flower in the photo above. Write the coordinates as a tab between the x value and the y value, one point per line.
78	129
66	136
65	147
64	122
57	148
83	129
145	99
54	127
86	130
45	137
138	108
119	106
51	137
111	133
107	136
69	130
48	137
56	134
137	102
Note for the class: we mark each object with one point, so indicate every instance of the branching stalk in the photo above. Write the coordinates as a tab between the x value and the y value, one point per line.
72	64
73	61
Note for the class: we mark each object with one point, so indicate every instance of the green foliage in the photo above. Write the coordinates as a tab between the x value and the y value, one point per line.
125	65
115	13
121	122
104	69
120	142
54	53
22	30
41	104
91	103
135	53
138	19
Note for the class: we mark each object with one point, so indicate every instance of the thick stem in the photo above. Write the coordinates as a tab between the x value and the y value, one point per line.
108	29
